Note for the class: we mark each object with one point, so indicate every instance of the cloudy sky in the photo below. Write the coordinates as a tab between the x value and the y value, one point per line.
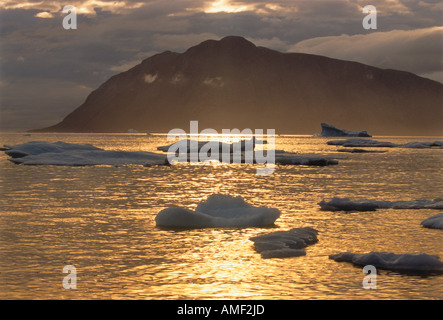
47	71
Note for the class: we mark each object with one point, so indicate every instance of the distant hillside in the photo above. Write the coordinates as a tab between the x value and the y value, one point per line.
231	83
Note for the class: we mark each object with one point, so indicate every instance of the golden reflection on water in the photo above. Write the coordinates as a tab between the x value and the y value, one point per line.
101	219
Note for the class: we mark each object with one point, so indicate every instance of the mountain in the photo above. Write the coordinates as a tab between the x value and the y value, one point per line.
231	83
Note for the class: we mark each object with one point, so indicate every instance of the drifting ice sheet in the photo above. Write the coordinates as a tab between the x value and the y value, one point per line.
218	211
434	222
70	154
242	145
283	244
392	261
358	143
345	204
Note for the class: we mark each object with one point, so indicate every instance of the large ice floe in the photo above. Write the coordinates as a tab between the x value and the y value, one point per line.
328	130
284	244
358	143
218	211
196	146
434	222
420	262
71	154
345	204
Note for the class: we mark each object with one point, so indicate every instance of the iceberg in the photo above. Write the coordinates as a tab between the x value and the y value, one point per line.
391	261
218	211
358	143
242	145
328	130
71	154
345	204
434	222
283	244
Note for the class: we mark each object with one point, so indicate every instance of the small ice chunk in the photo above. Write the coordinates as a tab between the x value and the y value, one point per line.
356	150
434	222
392	261
282	253
282	244
345	204
218	211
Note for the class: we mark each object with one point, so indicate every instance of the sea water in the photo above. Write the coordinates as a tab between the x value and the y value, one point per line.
100	219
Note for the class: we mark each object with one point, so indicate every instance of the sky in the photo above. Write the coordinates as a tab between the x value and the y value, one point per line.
47	71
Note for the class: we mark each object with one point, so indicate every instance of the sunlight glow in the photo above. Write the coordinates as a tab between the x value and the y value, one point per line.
226	6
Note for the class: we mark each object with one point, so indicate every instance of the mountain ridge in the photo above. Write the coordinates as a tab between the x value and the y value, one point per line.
232	83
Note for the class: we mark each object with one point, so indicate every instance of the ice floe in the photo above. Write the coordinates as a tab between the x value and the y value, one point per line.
345	204
196	146
434	222
283	244
392	261
331	131
218	211
358	143
71	154
288	158
360	151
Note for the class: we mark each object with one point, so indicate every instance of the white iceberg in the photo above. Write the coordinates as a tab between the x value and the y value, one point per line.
71	154
196	146
218	211
358	143
331	131
345	204
391	261
283	244
434	222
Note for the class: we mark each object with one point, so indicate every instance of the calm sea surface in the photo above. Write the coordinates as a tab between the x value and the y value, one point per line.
100	219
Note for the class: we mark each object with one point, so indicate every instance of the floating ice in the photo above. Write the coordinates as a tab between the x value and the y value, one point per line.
331	131
356	143
283	244
434	222
345	204
218	211
196	146
392	261
70	154
286	158
360	151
